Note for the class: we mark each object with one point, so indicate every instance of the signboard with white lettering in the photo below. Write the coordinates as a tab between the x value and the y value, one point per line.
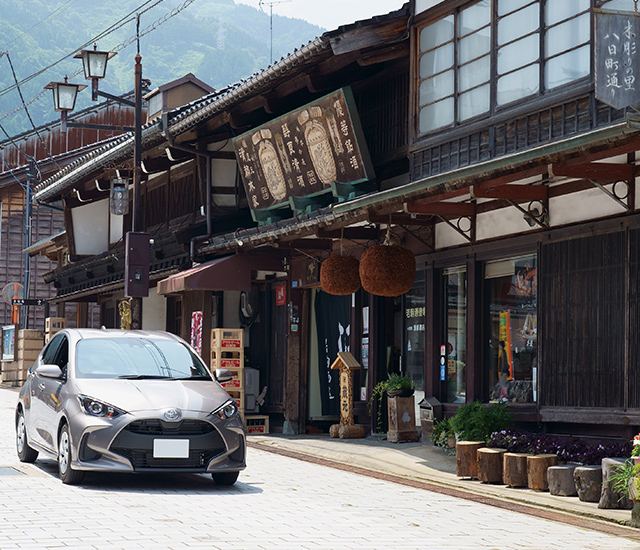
304	151
616	51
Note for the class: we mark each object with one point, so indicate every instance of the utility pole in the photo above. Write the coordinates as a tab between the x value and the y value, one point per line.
270	4
31	178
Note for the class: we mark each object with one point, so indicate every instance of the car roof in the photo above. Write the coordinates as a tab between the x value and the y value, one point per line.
90	333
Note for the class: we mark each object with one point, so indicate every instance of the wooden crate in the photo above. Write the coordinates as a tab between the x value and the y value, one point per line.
53	324
227	339
226	360
237	382
257	424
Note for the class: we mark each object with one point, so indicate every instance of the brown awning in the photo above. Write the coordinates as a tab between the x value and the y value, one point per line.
228	273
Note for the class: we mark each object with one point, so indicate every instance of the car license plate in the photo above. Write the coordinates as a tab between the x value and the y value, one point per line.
170	448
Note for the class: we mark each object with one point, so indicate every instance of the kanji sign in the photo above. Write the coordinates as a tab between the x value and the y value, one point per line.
617	72
281	295
302	152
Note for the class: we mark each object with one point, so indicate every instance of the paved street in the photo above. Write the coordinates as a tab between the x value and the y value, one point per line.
278	503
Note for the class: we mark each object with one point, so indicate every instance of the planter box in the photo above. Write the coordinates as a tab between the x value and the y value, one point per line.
402	419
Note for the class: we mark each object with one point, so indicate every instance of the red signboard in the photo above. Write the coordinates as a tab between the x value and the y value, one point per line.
304	151
281	295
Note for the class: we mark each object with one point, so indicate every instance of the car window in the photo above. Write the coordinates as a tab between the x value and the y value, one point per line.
136	358
49	355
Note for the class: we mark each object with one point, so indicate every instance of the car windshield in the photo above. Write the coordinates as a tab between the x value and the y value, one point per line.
137	358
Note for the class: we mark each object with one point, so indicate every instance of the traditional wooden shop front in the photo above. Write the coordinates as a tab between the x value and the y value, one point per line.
192	195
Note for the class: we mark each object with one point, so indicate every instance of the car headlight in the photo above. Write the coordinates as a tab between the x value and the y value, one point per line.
227	410
98	408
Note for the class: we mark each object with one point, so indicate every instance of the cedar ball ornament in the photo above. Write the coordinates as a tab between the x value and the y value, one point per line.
339	275
387	269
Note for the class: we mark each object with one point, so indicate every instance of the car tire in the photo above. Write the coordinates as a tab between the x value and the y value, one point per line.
68	475
25	453
225	478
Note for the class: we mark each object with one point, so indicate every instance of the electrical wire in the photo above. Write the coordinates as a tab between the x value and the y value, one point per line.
44	145
115	26
116	49
55	13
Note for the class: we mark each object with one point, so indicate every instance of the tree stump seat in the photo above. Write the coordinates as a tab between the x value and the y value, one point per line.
588	482
467	458
514	471
561	482
608	498
490	463
537	466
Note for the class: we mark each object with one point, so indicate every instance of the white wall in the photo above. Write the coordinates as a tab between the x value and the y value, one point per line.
154	311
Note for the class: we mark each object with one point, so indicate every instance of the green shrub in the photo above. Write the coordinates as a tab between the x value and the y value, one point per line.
441	433
476	422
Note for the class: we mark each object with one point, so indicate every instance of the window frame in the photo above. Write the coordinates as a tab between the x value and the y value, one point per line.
542	60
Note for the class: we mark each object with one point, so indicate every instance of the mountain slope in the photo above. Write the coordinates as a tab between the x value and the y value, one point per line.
217	40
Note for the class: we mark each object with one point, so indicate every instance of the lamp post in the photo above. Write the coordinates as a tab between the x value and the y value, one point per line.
136	243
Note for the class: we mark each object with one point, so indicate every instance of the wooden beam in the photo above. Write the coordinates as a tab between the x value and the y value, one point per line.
401	219
308	244
352	233
513	191
595	170
440	208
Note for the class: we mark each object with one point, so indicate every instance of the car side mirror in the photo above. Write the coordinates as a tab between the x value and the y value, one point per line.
50	371
223	375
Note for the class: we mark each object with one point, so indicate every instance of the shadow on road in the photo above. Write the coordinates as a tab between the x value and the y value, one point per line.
159	483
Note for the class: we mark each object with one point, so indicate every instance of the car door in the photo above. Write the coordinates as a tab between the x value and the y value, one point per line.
45	393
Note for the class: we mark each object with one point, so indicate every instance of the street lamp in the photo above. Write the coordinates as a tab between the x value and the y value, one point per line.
137	243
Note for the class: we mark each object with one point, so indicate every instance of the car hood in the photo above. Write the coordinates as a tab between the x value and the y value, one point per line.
146	395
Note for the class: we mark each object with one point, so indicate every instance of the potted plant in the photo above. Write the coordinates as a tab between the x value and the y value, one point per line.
395	385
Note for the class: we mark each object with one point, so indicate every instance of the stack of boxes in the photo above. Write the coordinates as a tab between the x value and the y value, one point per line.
29	343
227	352
53	325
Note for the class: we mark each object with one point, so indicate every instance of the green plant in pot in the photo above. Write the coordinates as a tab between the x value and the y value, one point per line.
395	384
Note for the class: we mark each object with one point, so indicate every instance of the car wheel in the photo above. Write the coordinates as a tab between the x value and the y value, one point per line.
25	453
68	475
226	478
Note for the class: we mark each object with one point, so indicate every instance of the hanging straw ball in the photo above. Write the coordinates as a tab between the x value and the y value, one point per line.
339	275
387	270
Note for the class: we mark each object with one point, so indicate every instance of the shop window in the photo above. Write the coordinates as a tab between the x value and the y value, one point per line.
414	312
511	330
454	348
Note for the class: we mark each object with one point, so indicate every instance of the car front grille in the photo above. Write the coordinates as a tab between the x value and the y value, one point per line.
161	428
143	460
136	441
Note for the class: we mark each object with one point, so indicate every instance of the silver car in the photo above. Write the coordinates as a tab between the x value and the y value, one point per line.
128	401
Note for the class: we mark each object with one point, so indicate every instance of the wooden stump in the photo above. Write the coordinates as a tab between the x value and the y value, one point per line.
537	466
490	462
561	482
467	459
588	482
514	471
351	432
609	499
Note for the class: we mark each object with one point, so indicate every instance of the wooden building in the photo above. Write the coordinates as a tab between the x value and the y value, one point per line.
477	141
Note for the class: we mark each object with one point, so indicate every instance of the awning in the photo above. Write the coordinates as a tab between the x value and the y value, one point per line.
228	273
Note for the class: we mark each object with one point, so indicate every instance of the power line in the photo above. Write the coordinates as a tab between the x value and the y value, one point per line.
55	13
118	24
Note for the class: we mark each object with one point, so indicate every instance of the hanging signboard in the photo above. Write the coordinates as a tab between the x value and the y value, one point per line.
304	151
196	331
616	52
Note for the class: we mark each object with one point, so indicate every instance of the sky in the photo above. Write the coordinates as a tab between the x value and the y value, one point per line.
329	14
